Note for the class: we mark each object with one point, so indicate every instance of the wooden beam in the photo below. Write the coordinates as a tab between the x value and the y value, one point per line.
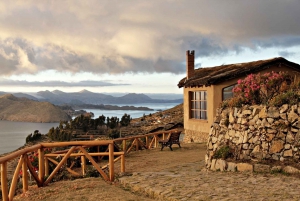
111	162
63	160
142	143
68	169
15	178
124	145
123	163
19	153
147	142
25	174
94	163
83	164
41	165
46	166
77	143
81	154
33	173
4	187
133	143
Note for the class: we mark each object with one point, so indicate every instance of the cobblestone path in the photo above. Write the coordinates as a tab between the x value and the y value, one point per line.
190	181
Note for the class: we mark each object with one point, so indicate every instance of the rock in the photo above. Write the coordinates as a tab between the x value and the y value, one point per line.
294	130
276	146
291	170
242	167
296	124
273	112
231	167
287	146
214	139
264	145
213	164
255	111
263	113
245	146
221	165
231	118
283	116
231	133
284	108
261	168
247	112
275	157
290	137
270	120
269	137
276	169
288	153
273	131
292	116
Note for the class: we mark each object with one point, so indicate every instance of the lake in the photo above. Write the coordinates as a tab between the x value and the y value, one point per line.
13	134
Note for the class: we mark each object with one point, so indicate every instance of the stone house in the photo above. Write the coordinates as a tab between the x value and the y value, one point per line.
205	88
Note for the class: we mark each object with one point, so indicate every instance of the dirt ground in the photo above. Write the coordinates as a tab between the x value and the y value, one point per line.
97	189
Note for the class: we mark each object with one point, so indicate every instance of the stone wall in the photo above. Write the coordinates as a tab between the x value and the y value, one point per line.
194	136
256	134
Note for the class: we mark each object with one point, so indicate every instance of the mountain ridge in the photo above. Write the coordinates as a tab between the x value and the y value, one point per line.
23	109
58	97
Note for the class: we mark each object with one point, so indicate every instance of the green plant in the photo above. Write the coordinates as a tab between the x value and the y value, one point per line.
289	97
92	172
223	152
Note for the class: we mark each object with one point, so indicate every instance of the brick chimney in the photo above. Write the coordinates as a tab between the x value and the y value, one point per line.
190	63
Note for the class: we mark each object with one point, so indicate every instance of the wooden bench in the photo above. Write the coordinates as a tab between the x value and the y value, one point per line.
172	139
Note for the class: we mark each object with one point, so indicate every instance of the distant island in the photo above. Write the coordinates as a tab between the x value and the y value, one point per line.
25	110
109	107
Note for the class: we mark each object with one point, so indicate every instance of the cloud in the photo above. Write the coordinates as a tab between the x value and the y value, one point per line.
86	83
286	53
116	37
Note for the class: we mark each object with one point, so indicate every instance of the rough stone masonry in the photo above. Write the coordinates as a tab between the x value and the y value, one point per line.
255	134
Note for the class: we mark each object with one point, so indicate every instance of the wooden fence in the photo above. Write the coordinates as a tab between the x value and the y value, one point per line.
73	149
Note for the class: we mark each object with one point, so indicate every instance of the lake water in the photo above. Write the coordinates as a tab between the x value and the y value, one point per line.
13	134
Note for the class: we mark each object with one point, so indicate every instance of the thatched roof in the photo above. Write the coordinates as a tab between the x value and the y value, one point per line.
213	75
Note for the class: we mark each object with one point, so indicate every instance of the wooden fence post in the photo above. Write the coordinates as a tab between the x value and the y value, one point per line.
147	142
124	146
25	174
41	165
111	161
4	186
46	166
15	179
123	163
83	165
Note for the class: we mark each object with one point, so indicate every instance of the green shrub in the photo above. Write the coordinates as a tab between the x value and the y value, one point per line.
290	97
223	152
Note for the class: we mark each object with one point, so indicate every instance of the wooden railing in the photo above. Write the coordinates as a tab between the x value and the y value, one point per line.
139	142
75	149
42	176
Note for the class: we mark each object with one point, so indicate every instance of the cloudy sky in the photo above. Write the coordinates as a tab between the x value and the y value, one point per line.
136	46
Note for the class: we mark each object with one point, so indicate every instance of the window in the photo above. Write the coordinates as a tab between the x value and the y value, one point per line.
227	92
198	105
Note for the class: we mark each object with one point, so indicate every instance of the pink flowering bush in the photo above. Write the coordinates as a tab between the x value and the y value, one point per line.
261	89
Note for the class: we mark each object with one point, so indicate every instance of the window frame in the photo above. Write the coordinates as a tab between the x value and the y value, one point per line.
233	85
198	105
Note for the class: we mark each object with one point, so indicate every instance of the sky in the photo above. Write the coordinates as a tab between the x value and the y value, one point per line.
136	46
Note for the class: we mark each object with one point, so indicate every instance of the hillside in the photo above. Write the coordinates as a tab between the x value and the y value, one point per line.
23	109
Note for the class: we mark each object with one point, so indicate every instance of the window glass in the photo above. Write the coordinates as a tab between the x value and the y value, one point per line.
198	105
227	92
